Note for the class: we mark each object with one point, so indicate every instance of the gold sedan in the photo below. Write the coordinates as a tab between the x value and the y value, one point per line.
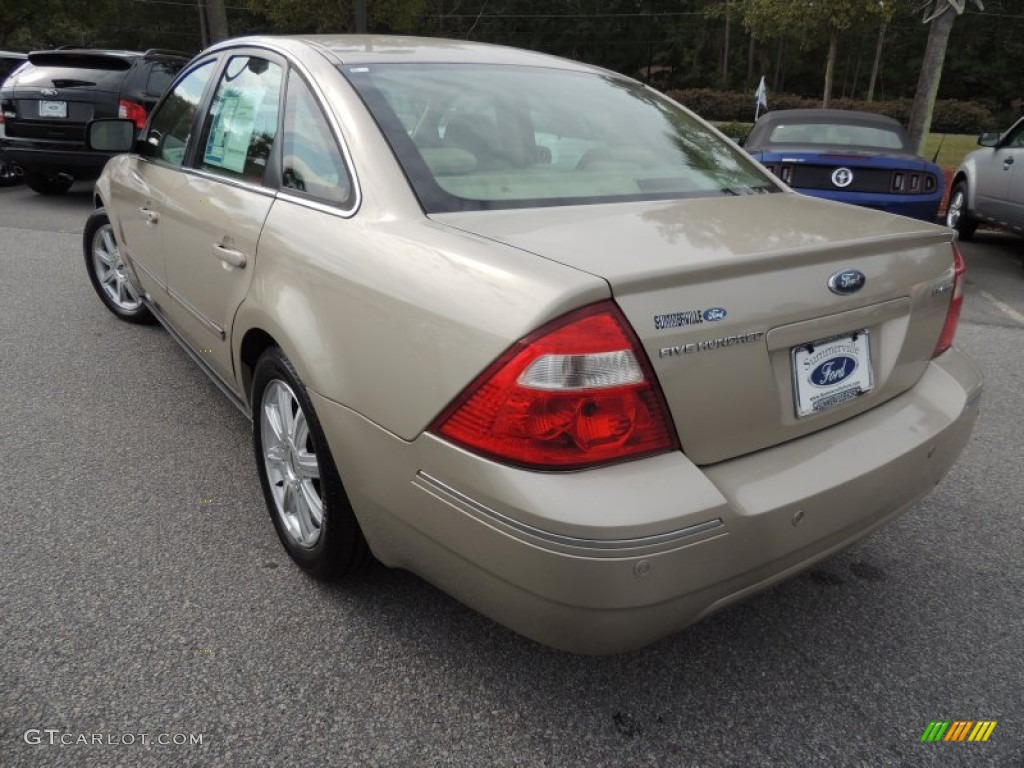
530	329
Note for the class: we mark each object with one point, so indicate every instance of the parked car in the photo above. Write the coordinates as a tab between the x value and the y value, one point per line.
9	61
530	329
48	102
853	157
989	184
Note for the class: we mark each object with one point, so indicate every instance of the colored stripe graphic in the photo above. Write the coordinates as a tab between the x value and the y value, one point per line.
958	730
982	730
935	730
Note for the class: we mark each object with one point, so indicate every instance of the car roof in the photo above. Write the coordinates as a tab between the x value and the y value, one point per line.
109	52
758	138
827	116
382	49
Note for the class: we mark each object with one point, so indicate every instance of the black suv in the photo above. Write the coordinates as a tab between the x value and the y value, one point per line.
48	102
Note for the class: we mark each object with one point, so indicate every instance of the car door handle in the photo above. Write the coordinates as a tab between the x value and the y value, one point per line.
1007	163
152	217
230	256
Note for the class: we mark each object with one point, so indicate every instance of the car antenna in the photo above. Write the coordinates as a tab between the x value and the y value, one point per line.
936	156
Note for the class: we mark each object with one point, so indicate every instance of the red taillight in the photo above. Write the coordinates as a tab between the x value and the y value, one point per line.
132	111
577	393
956	302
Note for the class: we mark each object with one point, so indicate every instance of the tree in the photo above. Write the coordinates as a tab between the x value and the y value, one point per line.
940	14
809	21
340	15
214	20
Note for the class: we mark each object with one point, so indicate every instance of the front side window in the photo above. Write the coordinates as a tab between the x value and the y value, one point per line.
171	126
243	119
480	137
312	164
1016	137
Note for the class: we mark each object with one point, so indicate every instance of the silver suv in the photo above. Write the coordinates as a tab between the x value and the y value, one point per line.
989	185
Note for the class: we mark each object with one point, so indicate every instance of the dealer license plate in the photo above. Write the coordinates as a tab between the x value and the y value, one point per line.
53	109
832	371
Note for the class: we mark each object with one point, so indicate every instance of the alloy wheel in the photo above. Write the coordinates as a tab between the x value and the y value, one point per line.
110	270
955	209
293	471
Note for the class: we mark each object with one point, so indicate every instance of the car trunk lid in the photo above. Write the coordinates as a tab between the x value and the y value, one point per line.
729	295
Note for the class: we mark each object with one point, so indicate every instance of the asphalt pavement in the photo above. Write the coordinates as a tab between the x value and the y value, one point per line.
147	608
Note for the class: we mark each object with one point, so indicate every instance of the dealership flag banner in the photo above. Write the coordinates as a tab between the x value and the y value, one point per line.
760	98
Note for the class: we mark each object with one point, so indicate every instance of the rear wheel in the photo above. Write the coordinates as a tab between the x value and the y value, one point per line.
956	214
107	271
49	183
8	175
301	484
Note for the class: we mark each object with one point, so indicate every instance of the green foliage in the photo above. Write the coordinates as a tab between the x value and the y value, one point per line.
734	130
339	15
951	116
809	21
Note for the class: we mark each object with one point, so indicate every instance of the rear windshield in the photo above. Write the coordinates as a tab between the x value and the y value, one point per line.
480	137
832	134
58	70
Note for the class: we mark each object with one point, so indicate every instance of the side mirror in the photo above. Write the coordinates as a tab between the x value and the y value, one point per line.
988	139
111	135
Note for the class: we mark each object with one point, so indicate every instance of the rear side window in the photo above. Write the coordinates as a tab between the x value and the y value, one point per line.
311	161
171	126
243	119
160	75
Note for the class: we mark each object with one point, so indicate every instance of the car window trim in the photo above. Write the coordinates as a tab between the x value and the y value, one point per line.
218	63
193	160
333	123
221	55
296	196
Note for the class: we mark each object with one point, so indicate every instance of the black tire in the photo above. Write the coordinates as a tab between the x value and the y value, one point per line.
8	177
99	234
339	548
957	216
48	184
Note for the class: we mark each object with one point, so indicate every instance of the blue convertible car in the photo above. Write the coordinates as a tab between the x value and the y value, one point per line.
853	157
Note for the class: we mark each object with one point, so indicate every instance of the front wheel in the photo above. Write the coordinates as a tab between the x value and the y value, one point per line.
301	485
107	271
956	214
49	184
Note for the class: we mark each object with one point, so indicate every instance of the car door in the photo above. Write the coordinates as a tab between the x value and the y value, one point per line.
1012	207
213	217
137	193
995	169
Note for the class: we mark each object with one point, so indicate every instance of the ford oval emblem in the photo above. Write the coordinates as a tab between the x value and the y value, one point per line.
715	313
833	371
846	282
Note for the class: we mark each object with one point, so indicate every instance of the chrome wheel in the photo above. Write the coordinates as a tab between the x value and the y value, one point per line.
110	271
956	208
289	458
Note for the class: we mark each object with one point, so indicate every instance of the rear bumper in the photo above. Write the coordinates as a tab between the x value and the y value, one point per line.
612	559
924	207
44	157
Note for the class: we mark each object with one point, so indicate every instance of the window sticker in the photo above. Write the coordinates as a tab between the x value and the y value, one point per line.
233	128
